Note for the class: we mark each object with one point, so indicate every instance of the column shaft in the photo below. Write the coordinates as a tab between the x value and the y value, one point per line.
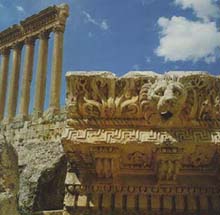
41	75
27	77
3	80
56	72
14	81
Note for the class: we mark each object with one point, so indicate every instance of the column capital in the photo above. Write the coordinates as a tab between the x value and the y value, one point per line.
17	46
5	51
44	35
59	28
29	41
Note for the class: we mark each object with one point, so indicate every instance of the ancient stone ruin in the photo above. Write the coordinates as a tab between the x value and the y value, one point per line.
144	143
36	136
9	178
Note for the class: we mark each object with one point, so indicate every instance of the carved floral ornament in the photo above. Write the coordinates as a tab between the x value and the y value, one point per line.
175	98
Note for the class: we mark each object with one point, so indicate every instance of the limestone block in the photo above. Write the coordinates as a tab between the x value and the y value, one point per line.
9	179
42	175
175	99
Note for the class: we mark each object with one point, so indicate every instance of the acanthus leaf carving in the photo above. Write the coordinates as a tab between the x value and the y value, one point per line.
170	99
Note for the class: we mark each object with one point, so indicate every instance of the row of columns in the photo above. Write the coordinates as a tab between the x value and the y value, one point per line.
40	85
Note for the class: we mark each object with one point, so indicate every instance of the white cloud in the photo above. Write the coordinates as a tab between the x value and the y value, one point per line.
1	5
102	25
182	39
204	9
20	8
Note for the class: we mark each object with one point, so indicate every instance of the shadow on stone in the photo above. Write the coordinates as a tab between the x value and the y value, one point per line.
50	189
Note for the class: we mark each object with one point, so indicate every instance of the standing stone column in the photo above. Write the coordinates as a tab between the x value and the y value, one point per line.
14	81
3	80
27	77
63	13
56	69
41	75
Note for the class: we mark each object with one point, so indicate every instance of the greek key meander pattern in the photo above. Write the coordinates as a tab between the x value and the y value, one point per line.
133	135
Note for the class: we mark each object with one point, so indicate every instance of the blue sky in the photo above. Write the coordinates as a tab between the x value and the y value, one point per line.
125	35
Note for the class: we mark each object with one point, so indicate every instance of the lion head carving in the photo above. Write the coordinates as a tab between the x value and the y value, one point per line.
165	98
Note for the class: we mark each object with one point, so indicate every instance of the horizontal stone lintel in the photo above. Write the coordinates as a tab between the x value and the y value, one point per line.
46	20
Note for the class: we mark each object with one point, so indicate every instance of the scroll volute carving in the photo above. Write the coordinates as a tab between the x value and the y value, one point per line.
103	97
99	100
203	97
170	99
127	97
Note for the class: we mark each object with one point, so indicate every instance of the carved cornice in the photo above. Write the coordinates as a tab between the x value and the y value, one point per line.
46	20
60	28
30	41
63	13
176	99
143	135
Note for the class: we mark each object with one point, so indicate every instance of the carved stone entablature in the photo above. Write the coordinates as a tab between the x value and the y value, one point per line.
37	27
144	141
175	99
48	19
168	163
136	136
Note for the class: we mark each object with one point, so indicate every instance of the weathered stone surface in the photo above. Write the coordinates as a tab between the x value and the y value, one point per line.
9	179
50	188
42	167
175	99
36	137
142	141
136	143
42	163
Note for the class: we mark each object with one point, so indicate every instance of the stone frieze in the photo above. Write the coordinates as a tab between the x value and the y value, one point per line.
169	100
46	20
143	141
135	136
